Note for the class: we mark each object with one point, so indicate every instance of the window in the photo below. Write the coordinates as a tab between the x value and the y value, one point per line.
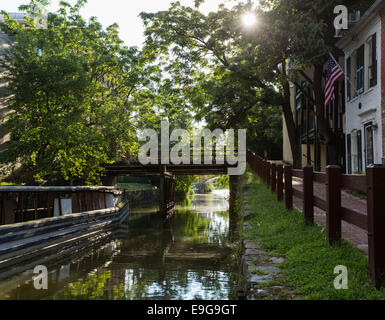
372	69
369	154
360	69
348	79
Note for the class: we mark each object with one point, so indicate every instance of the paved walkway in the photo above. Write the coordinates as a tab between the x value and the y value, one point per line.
355	235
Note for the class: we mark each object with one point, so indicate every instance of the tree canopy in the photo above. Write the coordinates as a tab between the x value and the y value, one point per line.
79	95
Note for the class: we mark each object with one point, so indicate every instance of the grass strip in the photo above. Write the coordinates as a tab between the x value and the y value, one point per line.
310	263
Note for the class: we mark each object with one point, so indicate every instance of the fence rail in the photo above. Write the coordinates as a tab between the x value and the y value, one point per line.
372	221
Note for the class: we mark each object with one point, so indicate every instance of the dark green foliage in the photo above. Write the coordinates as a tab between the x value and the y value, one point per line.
70	84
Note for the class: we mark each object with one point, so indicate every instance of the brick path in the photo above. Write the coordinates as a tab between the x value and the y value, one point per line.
353	234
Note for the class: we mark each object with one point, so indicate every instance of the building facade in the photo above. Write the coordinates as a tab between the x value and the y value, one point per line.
313	152
364	95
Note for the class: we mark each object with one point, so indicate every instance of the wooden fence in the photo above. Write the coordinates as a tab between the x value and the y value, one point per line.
279	179
26	203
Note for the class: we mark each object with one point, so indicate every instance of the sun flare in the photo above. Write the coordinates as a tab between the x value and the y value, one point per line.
249	19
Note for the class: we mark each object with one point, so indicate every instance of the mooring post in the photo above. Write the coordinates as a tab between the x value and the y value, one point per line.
375	175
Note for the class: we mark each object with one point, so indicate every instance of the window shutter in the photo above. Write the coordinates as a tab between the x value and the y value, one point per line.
359	150
349	153
348	78
373	79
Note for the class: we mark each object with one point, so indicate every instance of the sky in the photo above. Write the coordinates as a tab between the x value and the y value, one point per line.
124	12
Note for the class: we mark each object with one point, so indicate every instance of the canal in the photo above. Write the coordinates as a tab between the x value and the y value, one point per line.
190	257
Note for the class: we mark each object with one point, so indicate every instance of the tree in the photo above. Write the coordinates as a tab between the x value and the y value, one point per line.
307	32
73	86
229	103
256	59
215	61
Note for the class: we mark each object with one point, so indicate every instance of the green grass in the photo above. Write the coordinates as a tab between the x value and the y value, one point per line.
259	272
135	186
310	263
8	184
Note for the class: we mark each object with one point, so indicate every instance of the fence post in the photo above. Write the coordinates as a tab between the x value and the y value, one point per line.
264	172
288	187
268	171
308	207
279	182
375	175
333	205
273	177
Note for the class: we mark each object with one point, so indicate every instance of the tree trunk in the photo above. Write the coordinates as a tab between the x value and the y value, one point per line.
325	134
290	124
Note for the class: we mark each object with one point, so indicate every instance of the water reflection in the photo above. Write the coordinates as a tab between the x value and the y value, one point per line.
187	258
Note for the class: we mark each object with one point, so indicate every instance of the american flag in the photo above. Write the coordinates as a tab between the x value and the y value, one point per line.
334	73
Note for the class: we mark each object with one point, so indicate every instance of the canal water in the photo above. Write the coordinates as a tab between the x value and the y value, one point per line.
188	258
